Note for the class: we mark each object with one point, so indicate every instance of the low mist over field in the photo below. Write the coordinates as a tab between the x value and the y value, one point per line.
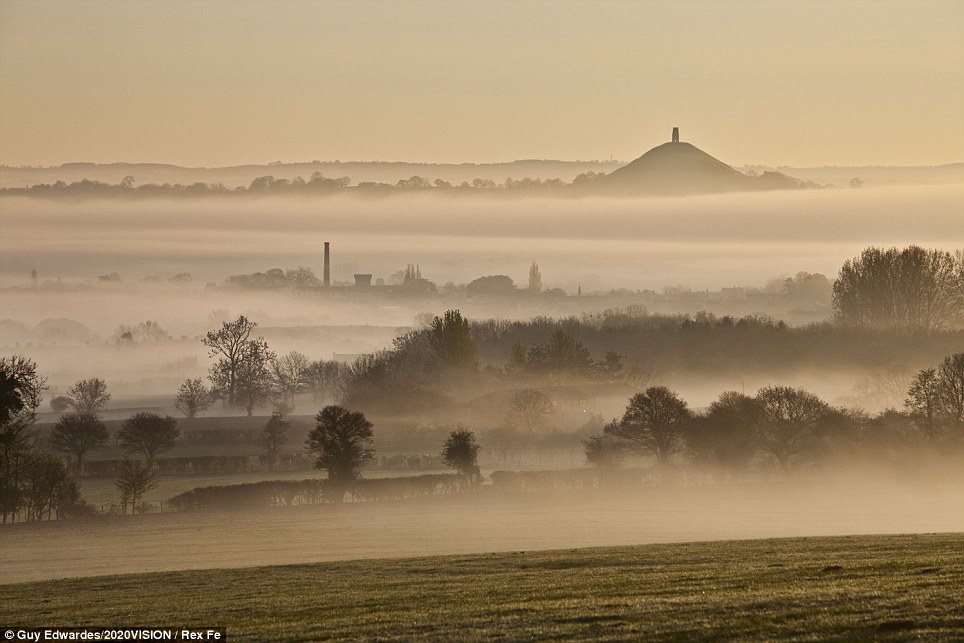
866	504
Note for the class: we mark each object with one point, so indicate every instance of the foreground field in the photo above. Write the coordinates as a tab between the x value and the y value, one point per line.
898	587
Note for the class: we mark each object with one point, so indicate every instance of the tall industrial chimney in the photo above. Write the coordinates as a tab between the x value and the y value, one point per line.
327	267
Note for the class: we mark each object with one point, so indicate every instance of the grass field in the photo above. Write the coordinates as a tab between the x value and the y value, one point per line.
891	587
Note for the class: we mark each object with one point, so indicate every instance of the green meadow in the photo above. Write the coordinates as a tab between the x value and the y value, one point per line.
862	587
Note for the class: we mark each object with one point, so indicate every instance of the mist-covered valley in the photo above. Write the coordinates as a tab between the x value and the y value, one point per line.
707	296
101	265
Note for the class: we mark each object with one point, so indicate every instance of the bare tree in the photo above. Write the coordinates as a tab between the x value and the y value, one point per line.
255	386
791	419
326	380
936	396
135	480
231	343
951	378
529	408
77	433
48	488
924	400
289	375
149	434
193	398
89	396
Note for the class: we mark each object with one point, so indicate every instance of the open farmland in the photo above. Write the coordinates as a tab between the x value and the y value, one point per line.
880	587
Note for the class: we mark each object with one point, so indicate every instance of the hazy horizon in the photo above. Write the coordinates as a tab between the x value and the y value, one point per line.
793	84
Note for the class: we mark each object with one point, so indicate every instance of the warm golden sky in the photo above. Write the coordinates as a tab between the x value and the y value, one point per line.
231	82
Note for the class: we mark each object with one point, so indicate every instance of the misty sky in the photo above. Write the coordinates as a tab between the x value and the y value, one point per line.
220	83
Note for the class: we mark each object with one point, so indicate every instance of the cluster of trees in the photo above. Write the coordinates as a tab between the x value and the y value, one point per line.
285	493
342	442
563	356
651	344
33	483
790	427
141	333
248	375
425	366
413	375
300	278
37	484
316	184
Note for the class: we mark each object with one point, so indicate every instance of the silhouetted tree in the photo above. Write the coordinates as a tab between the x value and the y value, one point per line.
529	408
193	398
726	434
653	423
460	451
11	402
611	366
232	343
535	279
47	487
254	383
149	434
89	397
790	422
326	380
604	451
144	332
924	401
25	389
951	377
452	341
562	354
273	437
135	480
289	375
77	433
342	442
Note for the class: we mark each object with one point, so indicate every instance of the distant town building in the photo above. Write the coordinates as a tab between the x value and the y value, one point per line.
676	135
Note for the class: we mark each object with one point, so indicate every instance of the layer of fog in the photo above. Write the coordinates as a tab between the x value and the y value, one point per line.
862	504
703	242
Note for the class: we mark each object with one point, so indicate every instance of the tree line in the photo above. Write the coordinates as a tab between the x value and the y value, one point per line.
786	426
316	184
